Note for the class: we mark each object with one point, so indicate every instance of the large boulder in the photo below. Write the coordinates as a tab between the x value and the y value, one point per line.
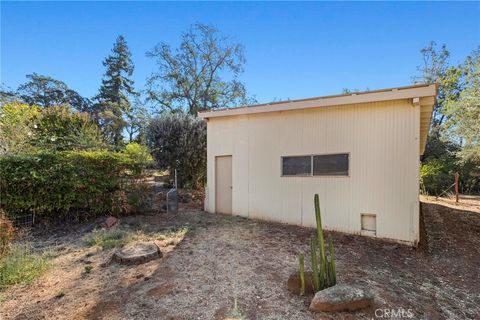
293	283
342	297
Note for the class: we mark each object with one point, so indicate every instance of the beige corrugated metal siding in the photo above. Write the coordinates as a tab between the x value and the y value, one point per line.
382	139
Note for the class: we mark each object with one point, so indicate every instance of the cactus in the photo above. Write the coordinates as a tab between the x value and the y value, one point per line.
332	260
302	273
323	266
318	218
313	256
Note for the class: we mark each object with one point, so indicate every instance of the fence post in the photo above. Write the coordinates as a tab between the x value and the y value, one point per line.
456	186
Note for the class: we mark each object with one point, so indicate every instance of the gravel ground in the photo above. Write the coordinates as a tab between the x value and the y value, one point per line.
228	267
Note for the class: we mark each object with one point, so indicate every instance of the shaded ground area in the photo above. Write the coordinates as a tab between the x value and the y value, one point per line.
213	262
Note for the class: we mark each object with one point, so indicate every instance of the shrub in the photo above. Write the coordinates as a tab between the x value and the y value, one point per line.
469	170
17	123
55	183
179	141
138	153
6	233
61	128
436	175
26	129
21	266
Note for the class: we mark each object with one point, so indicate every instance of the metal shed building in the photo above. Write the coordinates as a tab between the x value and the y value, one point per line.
360	152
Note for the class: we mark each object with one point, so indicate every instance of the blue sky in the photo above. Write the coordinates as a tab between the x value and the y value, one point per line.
293	50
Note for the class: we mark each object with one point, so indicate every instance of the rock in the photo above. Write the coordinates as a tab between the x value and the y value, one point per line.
110	222
137	253
341	297
293	283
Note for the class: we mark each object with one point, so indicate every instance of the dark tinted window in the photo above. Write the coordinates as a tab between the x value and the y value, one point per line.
330	165
297	166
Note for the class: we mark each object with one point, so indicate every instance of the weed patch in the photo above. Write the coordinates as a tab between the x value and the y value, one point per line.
21	266
107	239
88	269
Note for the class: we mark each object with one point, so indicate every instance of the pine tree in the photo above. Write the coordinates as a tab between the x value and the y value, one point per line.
113	97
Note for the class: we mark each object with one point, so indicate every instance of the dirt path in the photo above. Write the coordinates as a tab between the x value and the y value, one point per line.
223	260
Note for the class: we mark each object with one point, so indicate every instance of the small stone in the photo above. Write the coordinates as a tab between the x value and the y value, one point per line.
110	222
342	297
293	283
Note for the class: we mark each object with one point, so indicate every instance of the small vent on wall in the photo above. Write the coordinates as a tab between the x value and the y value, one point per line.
369	224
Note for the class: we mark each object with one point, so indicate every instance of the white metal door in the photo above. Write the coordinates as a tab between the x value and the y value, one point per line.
223	184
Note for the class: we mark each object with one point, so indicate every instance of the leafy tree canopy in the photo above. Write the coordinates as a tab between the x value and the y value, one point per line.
137	121
453	140
464	112
45	92
201	74
436	68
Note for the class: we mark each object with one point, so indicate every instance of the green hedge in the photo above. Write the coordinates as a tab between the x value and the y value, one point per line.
56	183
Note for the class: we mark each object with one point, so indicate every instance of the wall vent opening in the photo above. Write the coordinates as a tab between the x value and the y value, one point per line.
369	224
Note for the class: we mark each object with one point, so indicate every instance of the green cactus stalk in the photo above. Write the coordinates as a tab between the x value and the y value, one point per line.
302	273
321	243
318	218
322	274
332	260
313	256
327	273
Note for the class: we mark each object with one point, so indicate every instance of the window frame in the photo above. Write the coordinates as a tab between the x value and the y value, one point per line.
311	166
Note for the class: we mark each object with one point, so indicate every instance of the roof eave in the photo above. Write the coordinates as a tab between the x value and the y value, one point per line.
416	91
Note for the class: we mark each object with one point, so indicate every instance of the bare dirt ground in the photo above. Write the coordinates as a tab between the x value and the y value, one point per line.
216	262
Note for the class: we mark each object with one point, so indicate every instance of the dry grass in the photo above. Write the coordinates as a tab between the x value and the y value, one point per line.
466	202
224	267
